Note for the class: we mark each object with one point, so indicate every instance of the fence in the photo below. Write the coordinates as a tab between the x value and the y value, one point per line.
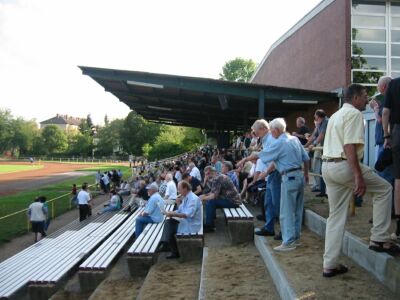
18	222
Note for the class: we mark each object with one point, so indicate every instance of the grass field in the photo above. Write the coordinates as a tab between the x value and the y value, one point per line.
17	224
17	168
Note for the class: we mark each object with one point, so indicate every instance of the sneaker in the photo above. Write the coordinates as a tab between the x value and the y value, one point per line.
264	232
285	248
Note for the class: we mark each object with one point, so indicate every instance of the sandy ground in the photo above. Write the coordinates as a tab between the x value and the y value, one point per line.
50	173
303	268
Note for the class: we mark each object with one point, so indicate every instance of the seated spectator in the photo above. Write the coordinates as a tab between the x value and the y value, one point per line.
162	185
194	182
178	174
138	197
170	192
37	216
223	194
125	189
186	219
194	171
216	163
152	211
114	204
227	169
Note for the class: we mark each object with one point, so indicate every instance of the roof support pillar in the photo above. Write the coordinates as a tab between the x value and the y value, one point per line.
261	101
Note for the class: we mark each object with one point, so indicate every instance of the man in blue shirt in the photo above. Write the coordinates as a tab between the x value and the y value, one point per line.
288	155
186	219
152	212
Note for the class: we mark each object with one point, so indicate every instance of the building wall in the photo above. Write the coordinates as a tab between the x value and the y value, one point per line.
316	57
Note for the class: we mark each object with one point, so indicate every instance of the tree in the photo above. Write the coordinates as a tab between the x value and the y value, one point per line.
54	139
79	144
6	129
238	69
110	137
106	121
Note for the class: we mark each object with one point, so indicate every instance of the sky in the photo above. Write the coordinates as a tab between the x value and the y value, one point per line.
42	43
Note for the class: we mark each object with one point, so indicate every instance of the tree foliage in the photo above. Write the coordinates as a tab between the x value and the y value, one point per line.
238	69
54	139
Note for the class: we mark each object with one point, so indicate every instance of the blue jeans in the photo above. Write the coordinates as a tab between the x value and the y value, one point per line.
386	174
211	207
272	200
141	223
109	208
291	213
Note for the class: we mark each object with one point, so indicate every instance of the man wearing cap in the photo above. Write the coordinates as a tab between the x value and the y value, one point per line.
152	212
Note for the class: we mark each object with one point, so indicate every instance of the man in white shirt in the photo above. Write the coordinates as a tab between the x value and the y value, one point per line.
84	203
194	171
170	192
37	215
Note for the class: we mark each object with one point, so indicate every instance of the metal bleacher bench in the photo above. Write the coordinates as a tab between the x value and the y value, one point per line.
142	254
190	245
95	268
240	224
44	266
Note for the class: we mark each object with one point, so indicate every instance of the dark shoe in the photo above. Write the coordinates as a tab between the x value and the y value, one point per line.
264	232
172	255
321	195
260	218
278	237
341	269
163	247
208	229
392	250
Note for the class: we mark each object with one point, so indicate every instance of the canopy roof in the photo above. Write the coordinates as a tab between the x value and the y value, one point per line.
202	102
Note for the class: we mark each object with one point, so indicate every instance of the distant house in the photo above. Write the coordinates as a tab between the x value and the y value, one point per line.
64	122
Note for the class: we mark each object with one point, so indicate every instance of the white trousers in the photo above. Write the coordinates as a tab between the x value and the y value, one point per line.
339	181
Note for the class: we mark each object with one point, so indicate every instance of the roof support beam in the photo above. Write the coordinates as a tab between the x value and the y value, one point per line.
261	102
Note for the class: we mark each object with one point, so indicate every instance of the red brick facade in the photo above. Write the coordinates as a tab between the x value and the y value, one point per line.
317	56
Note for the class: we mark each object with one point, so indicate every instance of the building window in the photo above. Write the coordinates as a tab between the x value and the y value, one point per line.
375	41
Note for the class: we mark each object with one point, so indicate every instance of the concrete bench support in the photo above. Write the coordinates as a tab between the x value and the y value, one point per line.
240	231
140	265
41	291
190	248
89	280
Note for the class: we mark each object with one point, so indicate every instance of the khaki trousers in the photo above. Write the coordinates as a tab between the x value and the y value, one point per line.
339	186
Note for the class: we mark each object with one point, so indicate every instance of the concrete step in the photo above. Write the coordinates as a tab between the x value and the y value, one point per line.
382	266
298	274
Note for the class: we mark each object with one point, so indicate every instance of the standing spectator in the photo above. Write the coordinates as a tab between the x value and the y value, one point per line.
106	182
288	155
47	221
98	179
37	216
346	176
391	115
186	219
302	130
84	202
223	194
321	121
74	198
152	212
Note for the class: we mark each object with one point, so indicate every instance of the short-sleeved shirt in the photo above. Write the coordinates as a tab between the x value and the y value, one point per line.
195	173
83	197
346	126
321	129
170	192
37	212
303	130
392	101
286	152
223	188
